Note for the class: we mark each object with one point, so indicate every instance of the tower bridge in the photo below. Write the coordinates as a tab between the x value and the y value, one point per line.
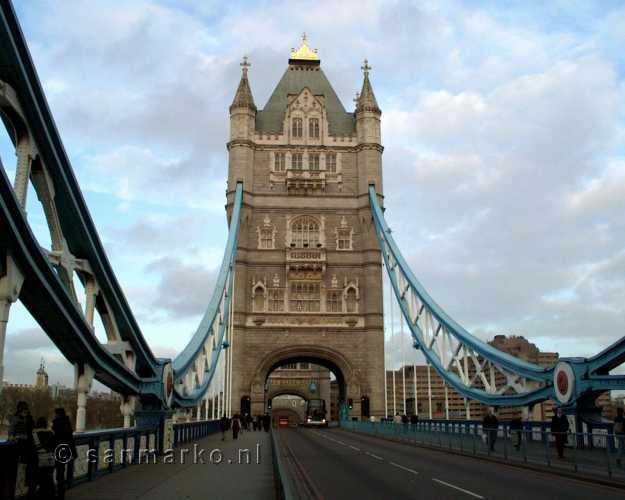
301	282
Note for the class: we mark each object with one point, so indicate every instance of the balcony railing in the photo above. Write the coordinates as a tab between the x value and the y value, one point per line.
305	179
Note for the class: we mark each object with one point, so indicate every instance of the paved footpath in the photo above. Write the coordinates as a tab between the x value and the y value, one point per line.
189	480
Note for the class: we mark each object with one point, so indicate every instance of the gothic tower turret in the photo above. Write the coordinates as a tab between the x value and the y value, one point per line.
242	118
368	115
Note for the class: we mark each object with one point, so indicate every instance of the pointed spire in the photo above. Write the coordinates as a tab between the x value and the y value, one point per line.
243	97
366	99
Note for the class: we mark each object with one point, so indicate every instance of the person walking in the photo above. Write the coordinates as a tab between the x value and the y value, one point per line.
21	431
397	418
619	435
63	436
236	426
43	439
266	422
249	422
490	426
516	429
559	429
223	426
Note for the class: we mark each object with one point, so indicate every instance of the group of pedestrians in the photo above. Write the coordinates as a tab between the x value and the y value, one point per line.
243	423
405	419
36	443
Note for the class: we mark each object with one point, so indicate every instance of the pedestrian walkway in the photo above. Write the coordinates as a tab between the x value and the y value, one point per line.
188	478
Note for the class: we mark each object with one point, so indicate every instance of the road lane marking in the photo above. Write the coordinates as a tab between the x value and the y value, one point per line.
354	448
403	468
374	456
457	488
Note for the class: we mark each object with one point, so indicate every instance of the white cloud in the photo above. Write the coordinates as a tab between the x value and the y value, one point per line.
504	143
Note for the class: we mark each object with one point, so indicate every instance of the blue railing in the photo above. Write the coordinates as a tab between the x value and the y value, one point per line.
99	453
192	431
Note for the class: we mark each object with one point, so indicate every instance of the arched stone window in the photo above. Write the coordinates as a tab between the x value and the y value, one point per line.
258	297
313	161
313	128
266	235
351	299
297	129
344	236
305	232
334	301
331	163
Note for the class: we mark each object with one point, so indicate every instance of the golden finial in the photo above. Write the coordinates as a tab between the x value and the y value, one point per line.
365	67
245	65
304	53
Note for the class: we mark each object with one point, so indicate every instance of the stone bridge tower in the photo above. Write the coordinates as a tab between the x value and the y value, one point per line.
308	284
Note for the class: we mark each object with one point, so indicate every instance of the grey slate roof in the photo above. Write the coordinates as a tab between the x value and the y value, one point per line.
271	118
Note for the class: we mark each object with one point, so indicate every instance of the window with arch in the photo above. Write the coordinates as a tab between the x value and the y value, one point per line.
266	235
334	302
279	162
276	300
305	232
331	163
297	129
304	296
313	128
297	161
344	235
266	238
313	161
351	300
258	298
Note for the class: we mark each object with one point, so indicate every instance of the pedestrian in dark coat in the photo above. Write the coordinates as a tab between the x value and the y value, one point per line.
516	429
236	427
43	439
266	422
63	437
490	426
21	431
223	426
559	430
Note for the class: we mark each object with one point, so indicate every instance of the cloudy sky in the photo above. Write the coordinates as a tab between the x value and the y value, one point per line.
504	166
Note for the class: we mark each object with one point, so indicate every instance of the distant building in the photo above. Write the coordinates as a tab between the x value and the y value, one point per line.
41	380
42	376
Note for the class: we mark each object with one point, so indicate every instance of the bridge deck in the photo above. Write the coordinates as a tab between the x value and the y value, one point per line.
333	463
190	479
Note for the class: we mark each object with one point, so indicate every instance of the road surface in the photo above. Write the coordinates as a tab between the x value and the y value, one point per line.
336	464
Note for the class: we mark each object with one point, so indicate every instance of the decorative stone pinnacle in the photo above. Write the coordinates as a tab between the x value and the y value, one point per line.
365	67
357	98
245	65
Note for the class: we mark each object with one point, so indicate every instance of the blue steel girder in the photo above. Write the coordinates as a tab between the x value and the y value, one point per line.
474	368
25	109
208	342
47	299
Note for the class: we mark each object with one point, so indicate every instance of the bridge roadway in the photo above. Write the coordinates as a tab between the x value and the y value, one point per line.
335	464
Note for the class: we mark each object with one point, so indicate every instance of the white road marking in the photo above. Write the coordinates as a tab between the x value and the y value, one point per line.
340	442
457	488
374	456
403	468
354	448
